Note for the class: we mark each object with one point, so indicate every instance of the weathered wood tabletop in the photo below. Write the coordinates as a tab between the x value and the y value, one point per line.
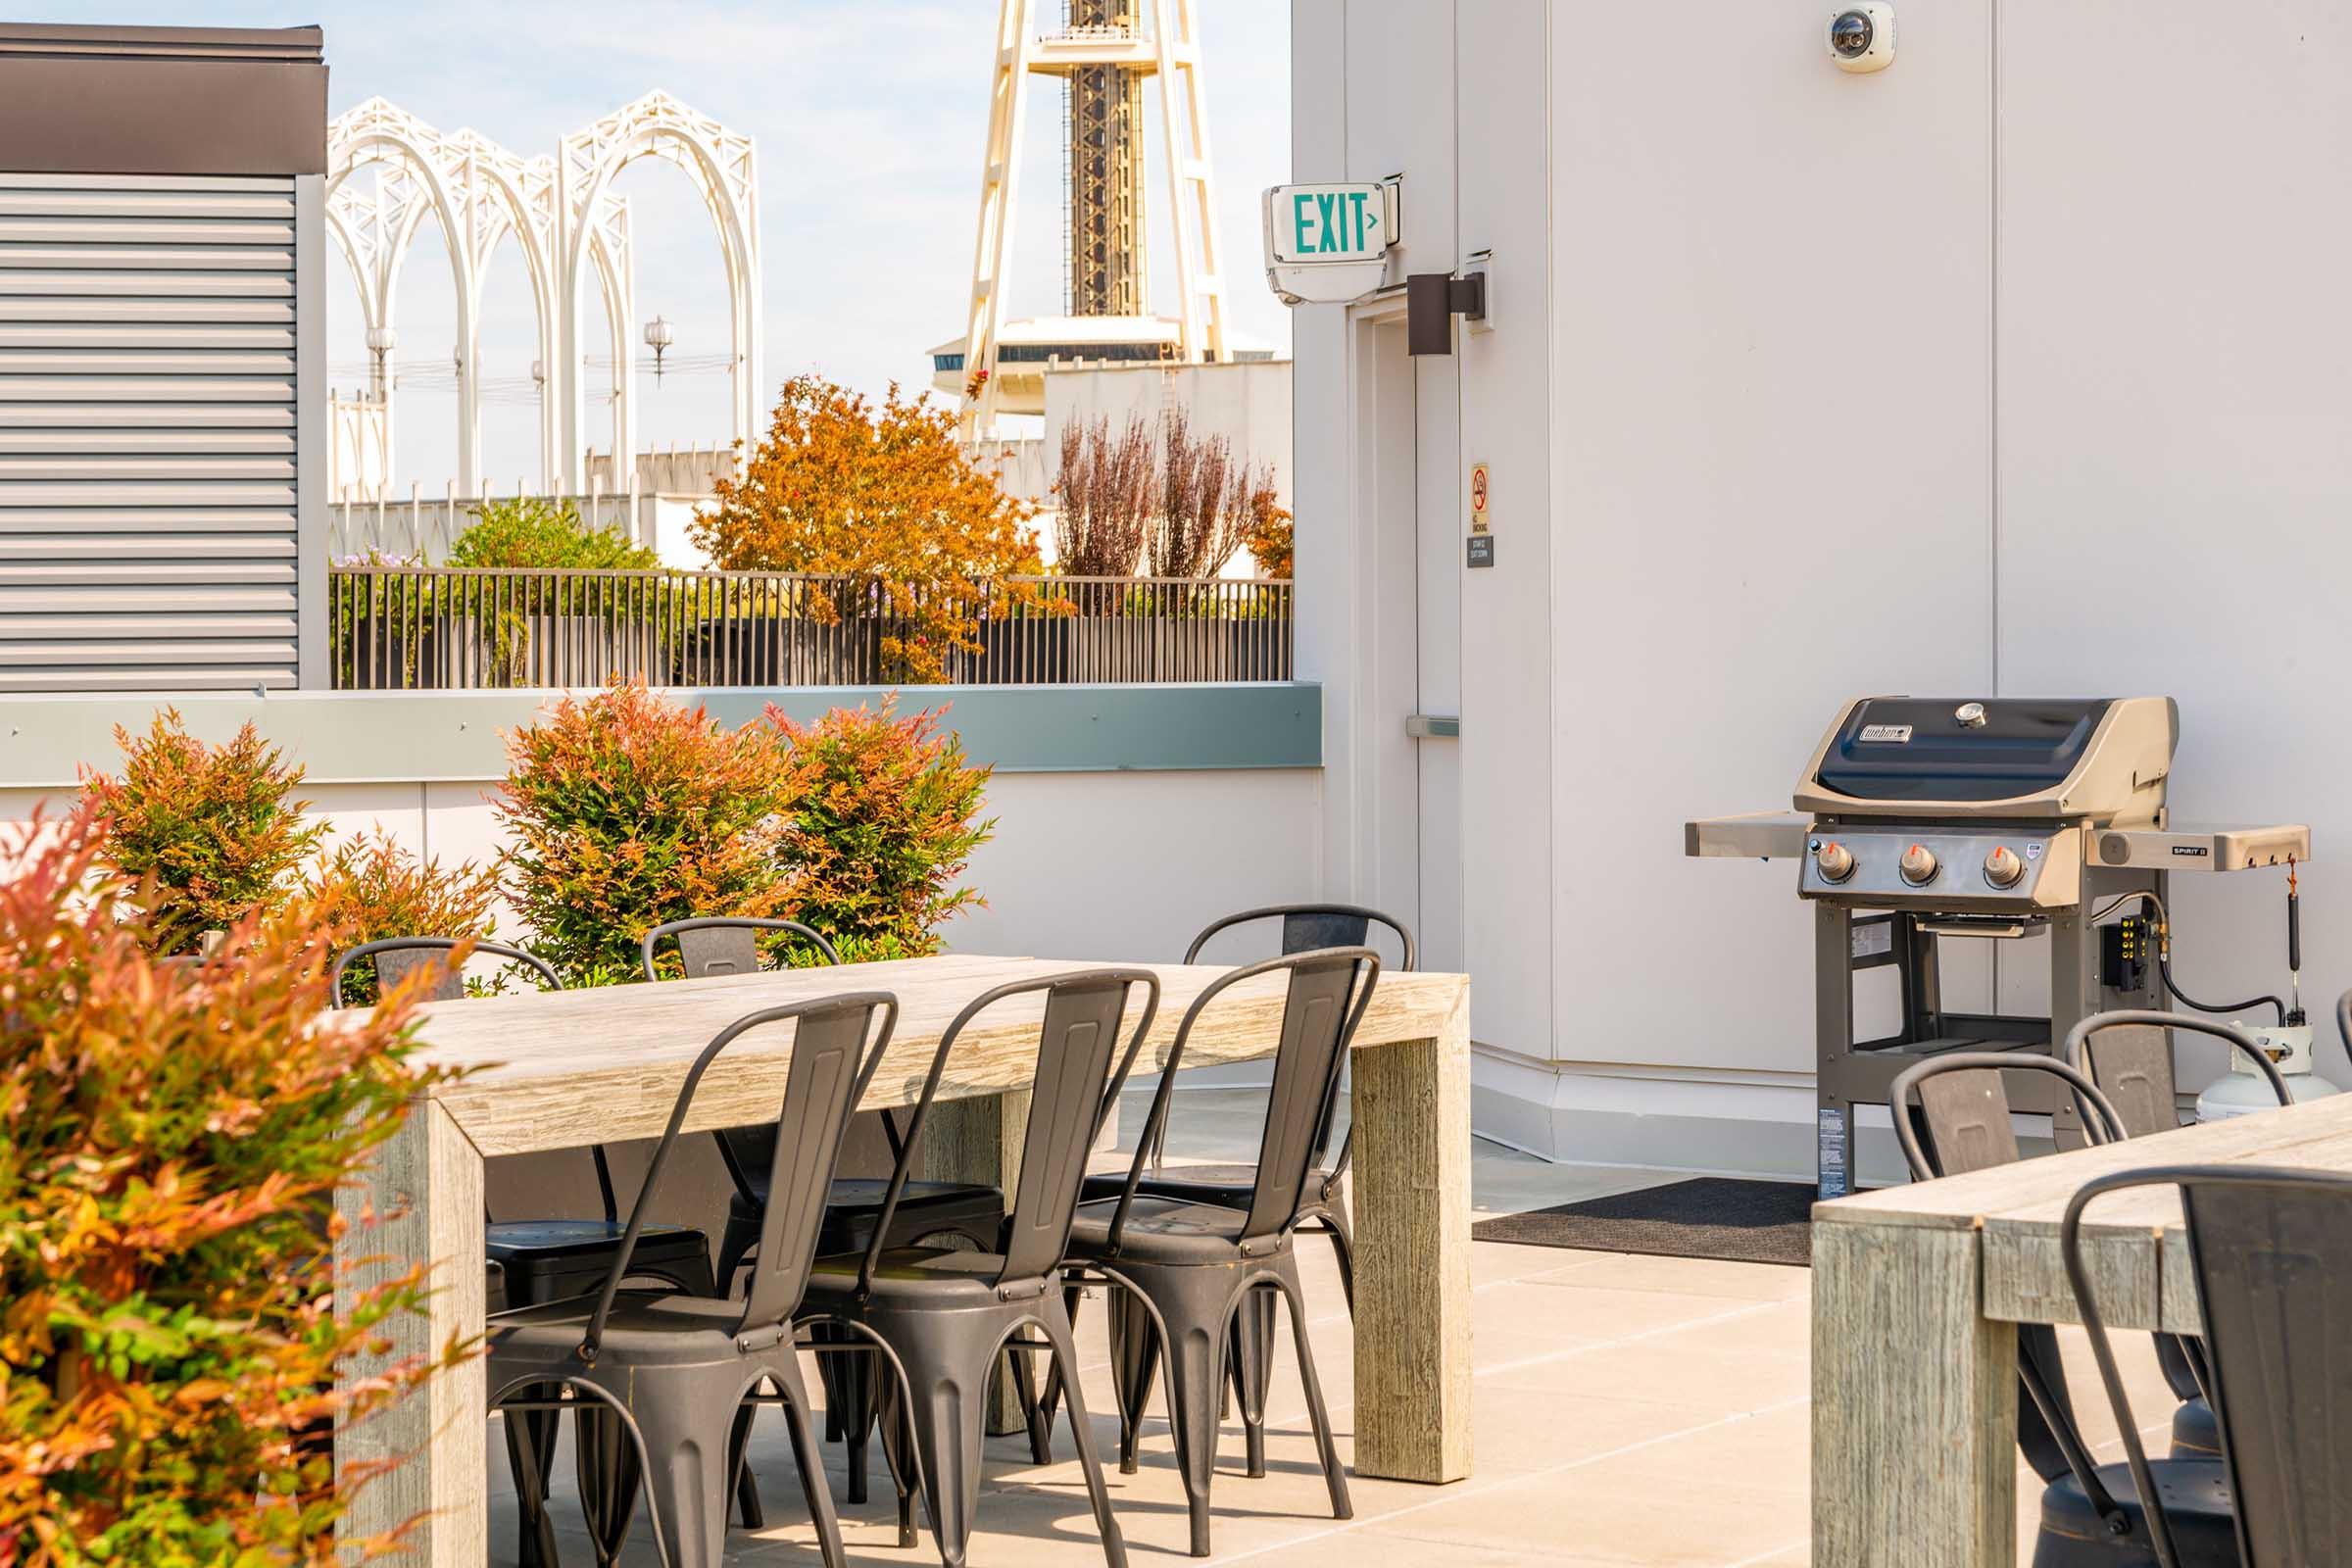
1914	1292
560	1070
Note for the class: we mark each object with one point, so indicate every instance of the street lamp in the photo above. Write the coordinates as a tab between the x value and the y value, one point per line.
382	341
659	337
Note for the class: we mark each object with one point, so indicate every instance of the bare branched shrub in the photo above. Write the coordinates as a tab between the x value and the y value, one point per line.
1106	494
1204	509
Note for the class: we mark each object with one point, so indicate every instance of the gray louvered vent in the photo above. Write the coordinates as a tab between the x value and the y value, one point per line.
147	433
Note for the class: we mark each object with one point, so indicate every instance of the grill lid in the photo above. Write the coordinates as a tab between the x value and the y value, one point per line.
1918	748
2101	759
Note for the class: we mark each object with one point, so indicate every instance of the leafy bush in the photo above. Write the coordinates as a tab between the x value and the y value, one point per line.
368	888
212	831
878	827
626	810
885	497
170	1332
533	531
1271	537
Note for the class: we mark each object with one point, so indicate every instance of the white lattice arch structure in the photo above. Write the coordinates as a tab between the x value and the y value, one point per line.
723	165
566	219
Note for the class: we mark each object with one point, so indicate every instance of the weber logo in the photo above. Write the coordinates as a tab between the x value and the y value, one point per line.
2196	851
1896	733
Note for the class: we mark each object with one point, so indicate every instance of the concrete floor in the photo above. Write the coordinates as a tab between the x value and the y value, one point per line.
1629	1410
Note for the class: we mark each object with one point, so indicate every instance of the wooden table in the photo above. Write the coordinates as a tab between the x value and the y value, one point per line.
563	1069
1915	1290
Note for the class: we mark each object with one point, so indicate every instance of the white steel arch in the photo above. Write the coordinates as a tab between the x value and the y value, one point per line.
565	215
723	165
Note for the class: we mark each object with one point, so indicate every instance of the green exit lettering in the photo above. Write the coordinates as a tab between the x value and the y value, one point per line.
1331	221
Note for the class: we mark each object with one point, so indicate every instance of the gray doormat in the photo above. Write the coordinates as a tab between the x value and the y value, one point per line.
1708	1216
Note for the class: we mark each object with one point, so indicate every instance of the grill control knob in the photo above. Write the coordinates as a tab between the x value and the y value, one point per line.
2002	867
1918	864
1834	861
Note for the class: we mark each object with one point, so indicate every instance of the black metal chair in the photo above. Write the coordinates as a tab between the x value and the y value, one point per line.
1305	927
1963	1109
2271	1251
2129	1057
675	1369
946	1314
928	1212
549	1259
1184	1270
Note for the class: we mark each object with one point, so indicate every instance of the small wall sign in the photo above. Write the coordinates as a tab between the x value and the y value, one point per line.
1482	549
1478	498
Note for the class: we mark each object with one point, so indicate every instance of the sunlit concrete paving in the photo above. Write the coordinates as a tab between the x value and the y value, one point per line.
1629	1410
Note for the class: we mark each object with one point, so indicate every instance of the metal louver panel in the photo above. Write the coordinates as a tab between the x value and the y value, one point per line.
148	516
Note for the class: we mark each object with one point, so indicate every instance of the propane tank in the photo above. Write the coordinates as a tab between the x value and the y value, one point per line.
2243	1089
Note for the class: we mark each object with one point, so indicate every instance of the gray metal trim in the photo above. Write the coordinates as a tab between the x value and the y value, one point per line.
148	111
458	737
302	45
310	433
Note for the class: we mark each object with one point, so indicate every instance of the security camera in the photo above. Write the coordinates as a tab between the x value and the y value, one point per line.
1862	37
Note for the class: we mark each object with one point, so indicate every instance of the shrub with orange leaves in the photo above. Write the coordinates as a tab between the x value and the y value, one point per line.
369	887
169	1332
880	822
214	830
887	497
628	809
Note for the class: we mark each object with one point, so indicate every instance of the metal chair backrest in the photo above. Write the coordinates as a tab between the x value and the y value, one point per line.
725	944
1075	1085
2133	1064
830	1066
398	958
1966	1109
1327	993
2272	1254
1305	927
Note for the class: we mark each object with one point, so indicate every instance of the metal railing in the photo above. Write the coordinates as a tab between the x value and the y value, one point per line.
410	628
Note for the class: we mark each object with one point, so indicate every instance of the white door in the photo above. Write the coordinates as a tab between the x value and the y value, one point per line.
1407	464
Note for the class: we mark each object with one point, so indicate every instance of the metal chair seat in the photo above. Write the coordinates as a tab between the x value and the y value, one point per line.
646	1327
931	1275
1226	1186
2196	1500
1167	1229
854	1204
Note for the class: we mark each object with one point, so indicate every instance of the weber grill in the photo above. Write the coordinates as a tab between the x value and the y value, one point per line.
1923	820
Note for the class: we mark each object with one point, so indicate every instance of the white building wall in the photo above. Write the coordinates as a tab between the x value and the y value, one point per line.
1985	372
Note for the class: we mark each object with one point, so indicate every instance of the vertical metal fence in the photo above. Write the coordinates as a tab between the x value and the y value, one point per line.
406	627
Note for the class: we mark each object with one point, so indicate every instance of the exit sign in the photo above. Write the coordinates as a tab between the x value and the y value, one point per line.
1330	243
1330	223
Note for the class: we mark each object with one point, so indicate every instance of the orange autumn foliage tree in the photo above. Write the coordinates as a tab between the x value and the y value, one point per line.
168	1323
884	496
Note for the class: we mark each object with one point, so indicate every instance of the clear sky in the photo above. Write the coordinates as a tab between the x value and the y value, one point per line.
870	116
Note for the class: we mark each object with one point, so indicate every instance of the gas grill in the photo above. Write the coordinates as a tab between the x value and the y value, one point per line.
1998	818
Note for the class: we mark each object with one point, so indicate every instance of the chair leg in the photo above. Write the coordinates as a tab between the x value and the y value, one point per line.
531	1457
810	1458
1253	1369
1335	1477
1195	1305
948	1360
1343	1246
848	1385
748	1509
606	1463
1049	1401
1065	1358
897	1453
1134	1363
1024	1384
686	1428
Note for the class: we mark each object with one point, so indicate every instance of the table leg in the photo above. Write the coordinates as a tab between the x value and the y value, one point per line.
1411	1116
428	1184
1914	1404
980	1140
